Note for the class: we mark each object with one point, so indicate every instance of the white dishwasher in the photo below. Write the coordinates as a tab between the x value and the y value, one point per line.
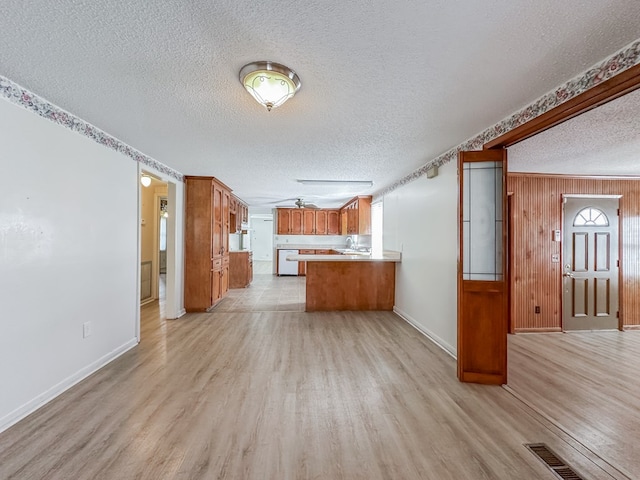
285	267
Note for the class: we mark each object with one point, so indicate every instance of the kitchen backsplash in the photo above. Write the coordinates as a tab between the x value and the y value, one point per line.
328	240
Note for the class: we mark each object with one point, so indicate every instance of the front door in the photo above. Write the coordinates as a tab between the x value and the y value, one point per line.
591	263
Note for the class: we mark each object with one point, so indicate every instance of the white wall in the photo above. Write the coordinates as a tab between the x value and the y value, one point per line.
174	306
420	219
68	255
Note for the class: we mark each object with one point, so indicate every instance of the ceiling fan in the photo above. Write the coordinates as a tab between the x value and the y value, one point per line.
300	203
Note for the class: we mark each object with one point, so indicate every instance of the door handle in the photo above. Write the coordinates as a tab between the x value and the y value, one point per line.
568	274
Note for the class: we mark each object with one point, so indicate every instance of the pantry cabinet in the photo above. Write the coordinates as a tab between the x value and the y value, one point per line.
207	225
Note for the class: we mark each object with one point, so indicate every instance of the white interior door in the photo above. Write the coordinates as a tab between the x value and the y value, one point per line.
591	263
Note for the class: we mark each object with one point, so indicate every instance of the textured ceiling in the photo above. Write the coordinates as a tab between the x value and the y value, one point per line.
603	141
386	85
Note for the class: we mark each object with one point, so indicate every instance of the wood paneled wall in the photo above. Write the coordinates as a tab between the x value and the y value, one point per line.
536	210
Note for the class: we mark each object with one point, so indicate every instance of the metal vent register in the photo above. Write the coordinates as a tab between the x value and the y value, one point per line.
553	461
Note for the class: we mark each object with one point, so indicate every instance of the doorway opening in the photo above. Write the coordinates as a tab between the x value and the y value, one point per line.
261	234
157	249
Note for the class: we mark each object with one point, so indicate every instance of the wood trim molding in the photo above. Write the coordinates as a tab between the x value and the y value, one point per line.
615	87
571	177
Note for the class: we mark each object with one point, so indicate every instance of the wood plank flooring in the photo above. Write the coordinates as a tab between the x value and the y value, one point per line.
283	395
588	383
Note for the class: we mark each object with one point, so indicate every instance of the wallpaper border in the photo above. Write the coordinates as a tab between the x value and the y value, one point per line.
38	105
618	62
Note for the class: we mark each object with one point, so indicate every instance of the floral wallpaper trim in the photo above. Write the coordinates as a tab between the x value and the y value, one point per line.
26	99
612	66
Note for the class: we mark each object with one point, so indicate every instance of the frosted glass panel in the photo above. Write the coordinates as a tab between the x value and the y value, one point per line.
482	221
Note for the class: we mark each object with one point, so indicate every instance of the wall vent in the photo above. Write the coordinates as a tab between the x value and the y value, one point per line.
558	466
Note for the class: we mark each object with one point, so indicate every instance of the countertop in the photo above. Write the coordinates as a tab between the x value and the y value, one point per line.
386	256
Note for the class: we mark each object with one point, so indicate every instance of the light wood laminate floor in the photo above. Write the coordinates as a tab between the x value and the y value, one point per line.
588	383
283	395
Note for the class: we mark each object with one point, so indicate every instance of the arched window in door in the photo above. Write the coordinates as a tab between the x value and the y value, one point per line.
591	217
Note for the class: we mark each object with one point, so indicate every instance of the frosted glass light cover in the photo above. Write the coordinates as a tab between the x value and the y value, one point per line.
270	83
271	89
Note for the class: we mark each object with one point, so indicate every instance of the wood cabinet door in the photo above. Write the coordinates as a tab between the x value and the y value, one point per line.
226	201
352	219
364	216
216	293
302	266
284	221
296	221
309	222
321	222
333	222
217	200
224	280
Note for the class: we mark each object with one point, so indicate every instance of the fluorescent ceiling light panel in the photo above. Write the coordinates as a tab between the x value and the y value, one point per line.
360	183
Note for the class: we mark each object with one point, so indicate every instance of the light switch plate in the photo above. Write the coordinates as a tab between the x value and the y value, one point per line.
555	258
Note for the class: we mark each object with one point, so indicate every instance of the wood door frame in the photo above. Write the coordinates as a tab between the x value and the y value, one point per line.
623	83
620	253
618	86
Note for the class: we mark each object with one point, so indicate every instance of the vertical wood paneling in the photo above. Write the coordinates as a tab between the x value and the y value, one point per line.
536	210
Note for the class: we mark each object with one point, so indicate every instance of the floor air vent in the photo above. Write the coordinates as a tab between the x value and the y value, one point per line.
554	462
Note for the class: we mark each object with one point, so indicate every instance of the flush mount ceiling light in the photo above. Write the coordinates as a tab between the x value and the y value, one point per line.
328	183
145	180
271	84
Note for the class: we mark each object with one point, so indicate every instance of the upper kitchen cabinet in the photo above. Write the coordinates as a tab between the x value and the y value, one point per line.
308	221
207	224
333	222
238	214
290	221
314	222
284	221
356	215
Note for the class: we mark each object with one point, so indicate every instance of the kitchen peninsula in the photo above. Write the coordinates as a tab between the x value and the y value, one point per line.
350	282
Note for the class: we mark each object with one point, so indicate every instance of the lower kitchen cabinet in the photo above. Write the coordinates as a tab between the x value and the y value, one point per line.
240	269
302	266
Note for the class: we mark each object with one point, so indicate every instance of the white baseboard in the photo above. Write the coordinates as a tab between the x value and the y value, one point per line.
449	349
45	397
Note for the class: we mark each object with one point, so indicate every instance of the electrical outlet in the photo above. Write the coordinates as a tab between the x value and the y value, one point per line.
86	329
537	309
